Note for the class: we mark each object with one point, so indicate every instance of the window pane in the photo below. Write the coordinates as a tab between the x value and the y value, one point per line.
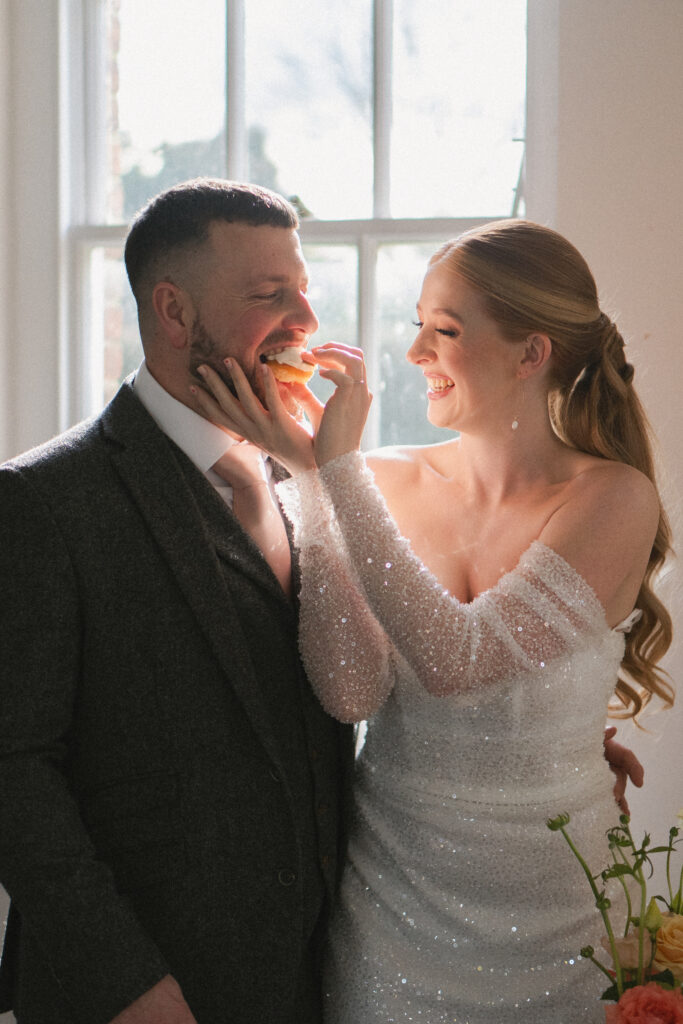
334	296
308	107
166	97
113	325
402	392
459	102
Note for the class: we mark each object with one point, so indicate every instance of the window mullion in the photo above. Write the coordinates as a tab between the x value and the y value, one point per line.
95	121
382	106
235	92
367	329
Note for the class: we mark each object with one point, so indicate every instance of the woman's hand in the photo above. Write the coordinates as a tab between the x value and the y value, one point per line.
272	428
341	427
625	766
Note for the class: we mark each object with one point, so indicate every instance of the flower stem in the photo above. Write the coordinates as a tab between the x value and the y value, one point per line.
599	902
640	879
602	968
627	894
668	874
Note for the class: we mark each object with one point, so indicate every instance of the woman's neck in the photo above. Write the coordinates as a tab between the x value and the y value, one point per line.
497	466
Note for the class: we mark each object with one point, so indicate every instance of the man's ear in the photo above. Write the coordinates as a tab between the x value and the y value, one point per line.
174	311
536	352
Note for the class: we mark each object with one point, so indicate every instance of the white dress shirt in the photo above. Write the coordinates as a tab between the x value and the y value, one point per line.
203	442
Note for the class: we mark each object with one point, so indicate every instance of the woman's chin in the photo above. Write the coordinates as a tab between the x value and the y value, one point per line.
439	418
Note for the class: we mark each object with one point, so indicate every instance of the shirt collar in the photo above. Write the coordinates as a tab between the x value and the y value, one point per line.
203	442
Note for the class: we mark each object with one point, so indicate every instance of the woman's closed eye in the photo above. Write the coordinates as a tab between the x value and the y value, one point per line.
439	330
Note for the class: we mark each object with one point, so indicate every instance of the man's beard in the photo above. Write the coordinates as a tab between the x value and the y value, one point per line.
205	351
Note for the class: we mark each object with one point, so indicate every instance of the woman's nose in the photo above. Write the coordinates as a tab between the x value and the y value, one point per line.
418	351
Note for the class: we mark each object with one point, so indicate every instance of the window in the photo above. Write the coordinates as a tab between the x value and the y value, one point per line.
393	125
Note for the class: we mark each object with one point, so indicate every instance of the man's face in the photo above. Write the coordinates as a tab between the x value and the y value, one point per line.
253	300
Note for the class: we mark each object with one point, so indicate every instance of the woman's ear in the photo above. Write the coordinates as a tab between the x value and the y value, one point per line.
536	352
174	311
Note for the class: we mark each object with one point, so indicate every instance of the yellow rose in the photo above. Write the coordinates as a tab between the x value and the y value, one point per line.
670	946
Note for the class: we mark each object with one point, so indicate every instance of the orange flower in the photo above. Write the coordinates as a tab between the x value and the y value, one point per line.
647	1004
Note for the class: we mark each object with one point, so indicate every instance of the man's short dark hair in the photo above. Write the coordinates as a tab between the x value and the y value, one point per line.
180	217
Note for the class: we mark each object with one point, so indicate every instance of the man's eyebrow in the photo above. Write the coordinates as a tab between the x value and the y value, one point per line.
275	279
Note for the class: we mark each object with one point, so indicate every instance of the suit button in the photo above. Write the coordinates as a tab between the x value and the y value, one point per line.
286	877
322	809
324	860
313	754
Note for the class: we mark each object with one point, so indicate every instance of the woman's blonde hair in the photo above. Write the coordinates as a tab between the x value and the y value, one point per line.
533	280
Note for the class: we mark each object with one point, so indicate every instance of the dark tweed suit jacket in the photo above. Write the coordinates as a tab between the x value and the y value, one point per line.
170	789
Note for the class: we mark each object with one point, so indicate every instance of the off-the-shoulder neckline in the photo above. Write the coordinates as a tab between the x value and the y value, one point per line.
538	545
535	545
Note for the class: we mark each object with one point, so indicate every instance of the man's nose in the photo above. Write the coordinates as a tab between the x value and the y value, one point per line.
301	316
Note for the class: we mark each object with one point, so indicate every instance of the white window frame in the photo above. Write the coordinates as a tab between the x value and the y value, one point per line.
83	37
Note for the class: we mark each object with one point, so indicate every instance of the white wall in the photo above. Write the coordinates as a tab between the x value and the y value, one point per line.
604	166
609	98
30	392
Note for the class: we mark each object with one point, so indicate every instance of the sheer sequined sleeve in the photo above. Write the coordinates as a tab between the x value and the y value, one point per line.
537	612
346	653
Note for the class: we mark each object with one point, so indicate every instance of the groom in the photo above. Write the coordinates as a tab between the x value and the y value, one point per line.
170	788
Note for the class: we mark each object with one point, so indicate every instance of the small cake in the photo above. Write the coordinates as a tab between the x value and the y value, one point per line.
288	366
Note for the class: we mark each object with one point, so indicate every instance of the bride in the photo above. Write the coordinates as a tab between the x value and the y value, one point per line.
479	602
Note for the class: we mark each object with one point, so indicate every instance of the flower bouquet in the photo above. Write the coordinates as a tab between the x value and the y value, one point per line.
646	972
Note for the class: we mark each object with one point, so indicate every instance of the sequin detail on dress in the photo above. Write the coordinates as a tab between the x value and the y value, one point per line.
457	903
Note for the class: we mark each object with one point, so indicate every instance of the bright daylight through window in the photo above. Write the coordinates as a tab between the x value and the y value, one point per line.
394	124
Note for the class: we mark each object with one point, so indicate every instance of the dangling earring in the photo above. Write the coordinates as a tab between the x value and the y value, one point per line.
515	423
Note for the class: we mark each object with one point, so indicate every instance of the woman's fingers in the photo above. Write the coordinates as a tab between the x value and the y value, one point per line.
249	401
311	406
339	346
341	378
273	399
344	357
216	401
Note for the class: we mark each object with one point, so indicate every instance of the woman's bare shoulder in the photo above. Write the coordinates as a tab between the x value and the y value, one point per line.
411	454
605	526
403	464
603	484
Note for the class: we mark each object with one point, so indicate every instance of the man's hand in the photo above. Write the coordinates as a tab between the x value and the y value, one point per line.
162	1004
625	766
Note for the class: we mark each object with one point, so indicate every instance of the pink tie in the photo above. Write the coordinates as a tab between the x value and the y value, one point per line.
254	506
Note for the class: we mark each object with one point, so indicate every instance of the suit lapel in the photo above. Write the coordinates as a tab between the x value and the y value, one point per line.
144	459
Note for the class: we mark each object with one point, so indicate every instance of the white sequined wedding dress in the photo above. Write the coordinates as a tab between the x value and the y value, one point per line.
484	719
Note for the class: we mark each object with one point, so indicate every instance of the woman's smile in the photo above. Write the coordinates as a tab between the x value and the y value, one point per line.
438	387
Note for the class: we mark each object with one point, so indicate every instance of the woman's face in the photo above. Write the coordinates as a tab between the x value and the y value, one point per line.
470	368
